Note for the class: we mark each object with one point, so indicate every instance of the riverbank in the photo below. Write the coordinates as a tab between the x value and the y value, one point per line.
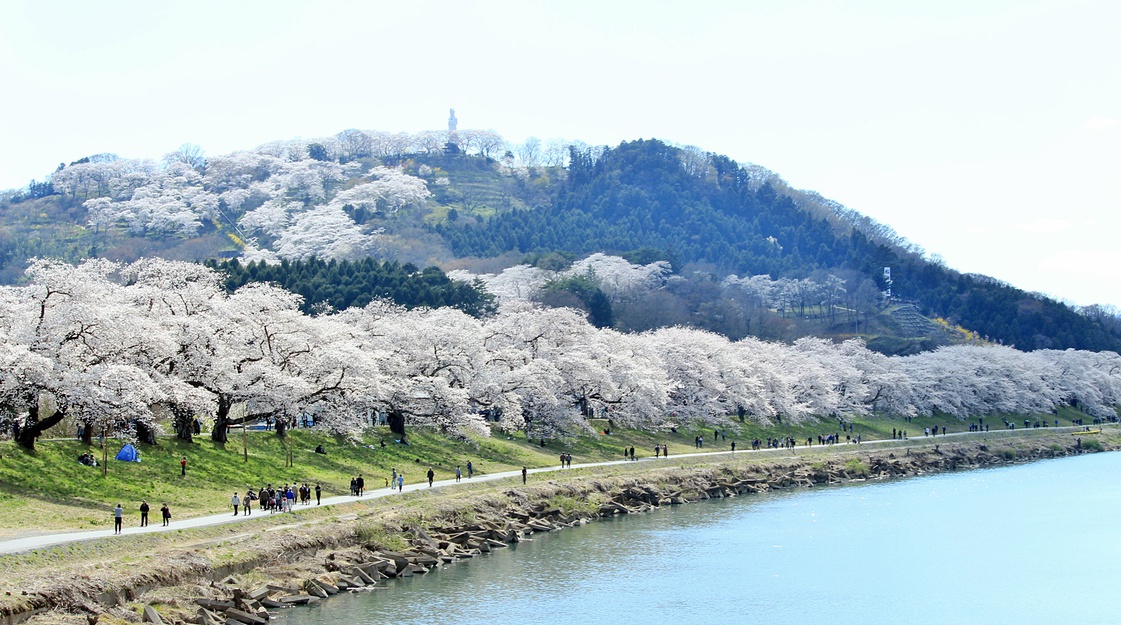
116	578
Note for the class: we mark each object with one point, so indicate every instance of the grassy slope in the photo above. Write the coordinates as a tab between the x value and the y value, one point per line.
49	491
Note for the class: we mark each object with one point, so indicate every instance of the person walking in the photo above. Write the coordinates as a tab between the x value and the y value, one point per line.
470	470
524	474
459	474
165	512
318	493
118	518
401	482
144	508
247	503
431	476
361	483
235	501
183	466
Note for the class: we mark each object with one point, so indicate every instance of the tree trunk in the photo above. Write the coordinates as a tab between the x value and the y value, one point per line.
222	419
104	455
33	427
184	422
396	420
145	433
87	433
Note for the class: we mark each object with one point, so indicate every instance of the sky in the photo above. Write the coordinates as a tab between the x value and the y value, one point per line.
986	132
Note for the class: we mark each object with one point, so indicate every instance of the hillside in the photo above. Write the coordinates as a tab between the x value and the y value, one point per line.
644	195
747	256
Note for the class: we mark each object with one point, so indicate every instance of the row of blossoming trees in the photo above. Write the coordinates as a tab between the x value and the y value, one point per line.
128	347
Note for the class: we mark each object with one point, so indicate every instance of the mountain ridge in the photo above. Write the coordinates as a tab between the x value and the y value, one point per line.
457	207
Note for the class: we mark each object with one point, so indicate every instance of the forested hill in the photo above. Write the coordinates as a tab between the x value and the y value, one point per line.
749	255
641	195
646	194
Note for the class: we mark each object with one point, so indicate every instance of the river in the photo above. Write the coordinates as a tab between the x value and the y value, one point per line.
1033	543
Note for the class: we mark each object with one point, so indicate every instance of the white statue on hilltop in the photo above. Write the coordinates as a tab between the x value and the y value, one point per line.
452	121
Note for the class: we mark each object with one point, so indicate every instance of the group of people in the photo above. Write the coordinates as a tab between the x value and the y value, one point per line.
276	500
281	499
119	515
357	486
566	460
717	435
833	439
396	480
663	451
776	443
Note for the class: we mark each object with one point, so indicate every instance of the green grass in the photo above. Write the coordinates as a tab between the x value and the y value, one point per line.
856	467
47	490
1092	444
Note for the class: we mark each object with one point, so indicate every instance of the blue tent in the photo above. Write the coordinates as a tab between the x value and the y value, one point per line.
128	453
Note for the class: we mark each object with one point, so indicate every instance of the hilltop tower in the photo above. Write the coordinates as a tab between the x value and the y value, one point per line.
452	146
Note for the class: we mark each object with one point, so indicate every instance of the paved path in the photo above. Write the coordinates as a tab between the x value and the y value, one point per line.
17	545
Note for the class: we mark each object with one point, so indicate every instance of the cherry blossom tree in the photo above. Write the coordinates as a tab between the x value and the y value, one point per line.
969	380
1089	381
326	232
426	360
70	339
618	277
548	372
701	388
389	190
354	144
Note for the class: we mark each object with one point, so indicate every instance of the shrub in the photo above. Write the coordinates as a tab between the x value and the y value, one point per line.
856	466
379	537
1092	444
569	504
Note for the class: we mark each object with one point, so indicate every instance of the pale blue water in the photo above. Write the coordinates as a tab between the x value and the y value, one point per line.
1034	543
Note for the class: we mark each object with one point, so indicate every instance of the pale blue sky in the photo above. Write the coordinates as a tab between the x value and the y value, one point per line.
986	132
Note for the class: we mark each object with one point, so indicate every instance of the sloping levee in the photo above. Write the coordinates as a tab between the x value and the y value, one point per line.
303	562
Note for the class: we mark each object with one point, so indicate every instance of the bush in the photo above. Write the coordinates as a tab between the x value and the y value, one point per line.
379	537
1092	444
856	467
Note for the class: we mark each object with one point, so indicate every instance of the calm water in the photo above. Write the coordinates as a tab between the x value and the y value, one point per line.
1028	544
